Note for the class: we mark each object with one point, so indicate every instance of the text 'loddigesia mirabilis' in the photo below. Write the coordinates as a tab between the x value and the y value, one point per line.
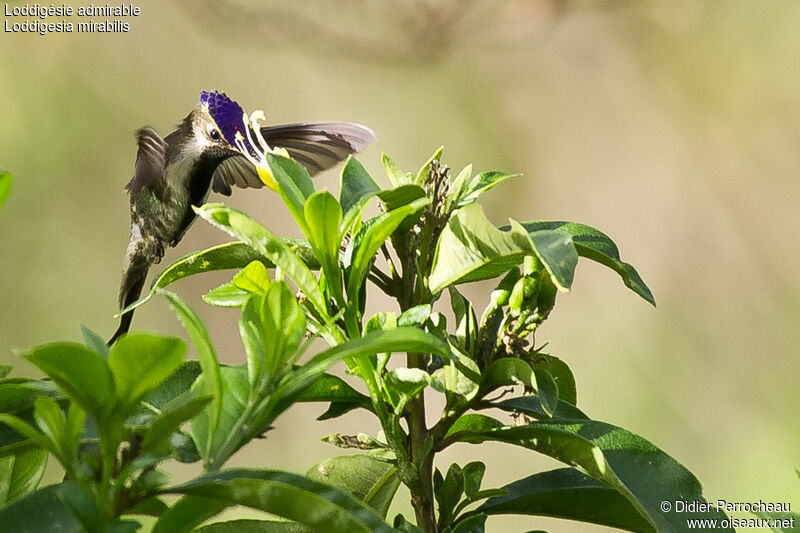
44	19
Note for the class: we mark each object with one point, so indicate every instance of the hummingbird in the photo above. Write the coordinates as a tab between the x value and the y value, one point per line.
206	152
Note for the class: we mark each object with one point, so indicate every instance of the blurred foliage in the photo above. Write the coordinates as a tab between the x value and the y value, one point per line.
673	125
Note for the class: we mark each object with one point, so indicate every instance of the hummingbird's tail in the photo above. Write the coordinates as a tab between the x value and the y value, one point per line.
131	287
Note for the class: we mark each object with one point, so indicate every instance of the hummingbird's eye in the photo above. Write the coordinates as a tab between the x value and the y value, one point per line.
213	133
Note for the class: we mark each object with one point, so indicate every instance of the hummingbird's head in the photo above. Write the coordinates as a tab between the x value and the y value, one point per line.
214	124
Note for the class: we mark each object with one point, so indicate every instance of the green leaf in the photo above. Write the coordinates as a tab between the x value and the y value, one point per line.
405	339
223	257
556	252
140	362
570	494
283	324
18	394
35	439
470	248
546	390
188	512
294	186
395	174
532	405
779	522
20	475
81	373
212	381
95	342
480	184
253	278
448	490
474	524
323	216
422	175
236	390
597	246
466	321
291	496
343	397
169	420
473	422
183	448
175	386
561	374
404	384
415	316
42	511
226	295
400	196
5	186
375	236
64	432
356	186
266	243
368	479
473	477
508	371
253	526
458	386
627	463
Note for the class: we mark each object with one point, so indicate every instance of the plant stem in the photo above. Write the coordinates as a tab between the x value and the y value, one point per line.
421	456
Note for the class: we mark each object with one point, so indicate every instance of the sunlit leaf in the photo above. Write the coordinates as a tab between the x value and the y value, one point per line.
395	174
80	372
641	473
323	216
253	278
140	362
470	248
209	438
226	295
570	494
422	175
294	186
253	526
266	243
206	355
356	187
597	246
368	479
171	417
325	509
223	257
480	184
5	186
375	236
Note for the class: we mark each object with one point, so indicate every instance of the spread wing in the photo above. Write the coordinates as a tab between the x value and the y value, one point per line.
317	146
151	159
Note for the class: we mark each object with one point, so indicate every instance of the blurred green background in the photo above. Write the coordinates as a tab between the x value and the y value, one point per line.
674	126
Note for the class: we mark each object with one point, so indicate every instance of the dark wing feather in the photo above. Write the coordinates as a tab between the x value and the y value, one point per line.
321	145
235	170
151	159
317	146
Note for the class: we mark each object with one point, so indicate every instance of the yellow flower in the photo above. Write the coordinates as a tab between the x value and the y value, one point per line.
257	153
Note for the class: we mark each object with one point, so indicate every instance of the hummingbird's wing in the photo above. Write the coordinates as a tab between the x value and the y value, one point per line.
150	160
317	146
